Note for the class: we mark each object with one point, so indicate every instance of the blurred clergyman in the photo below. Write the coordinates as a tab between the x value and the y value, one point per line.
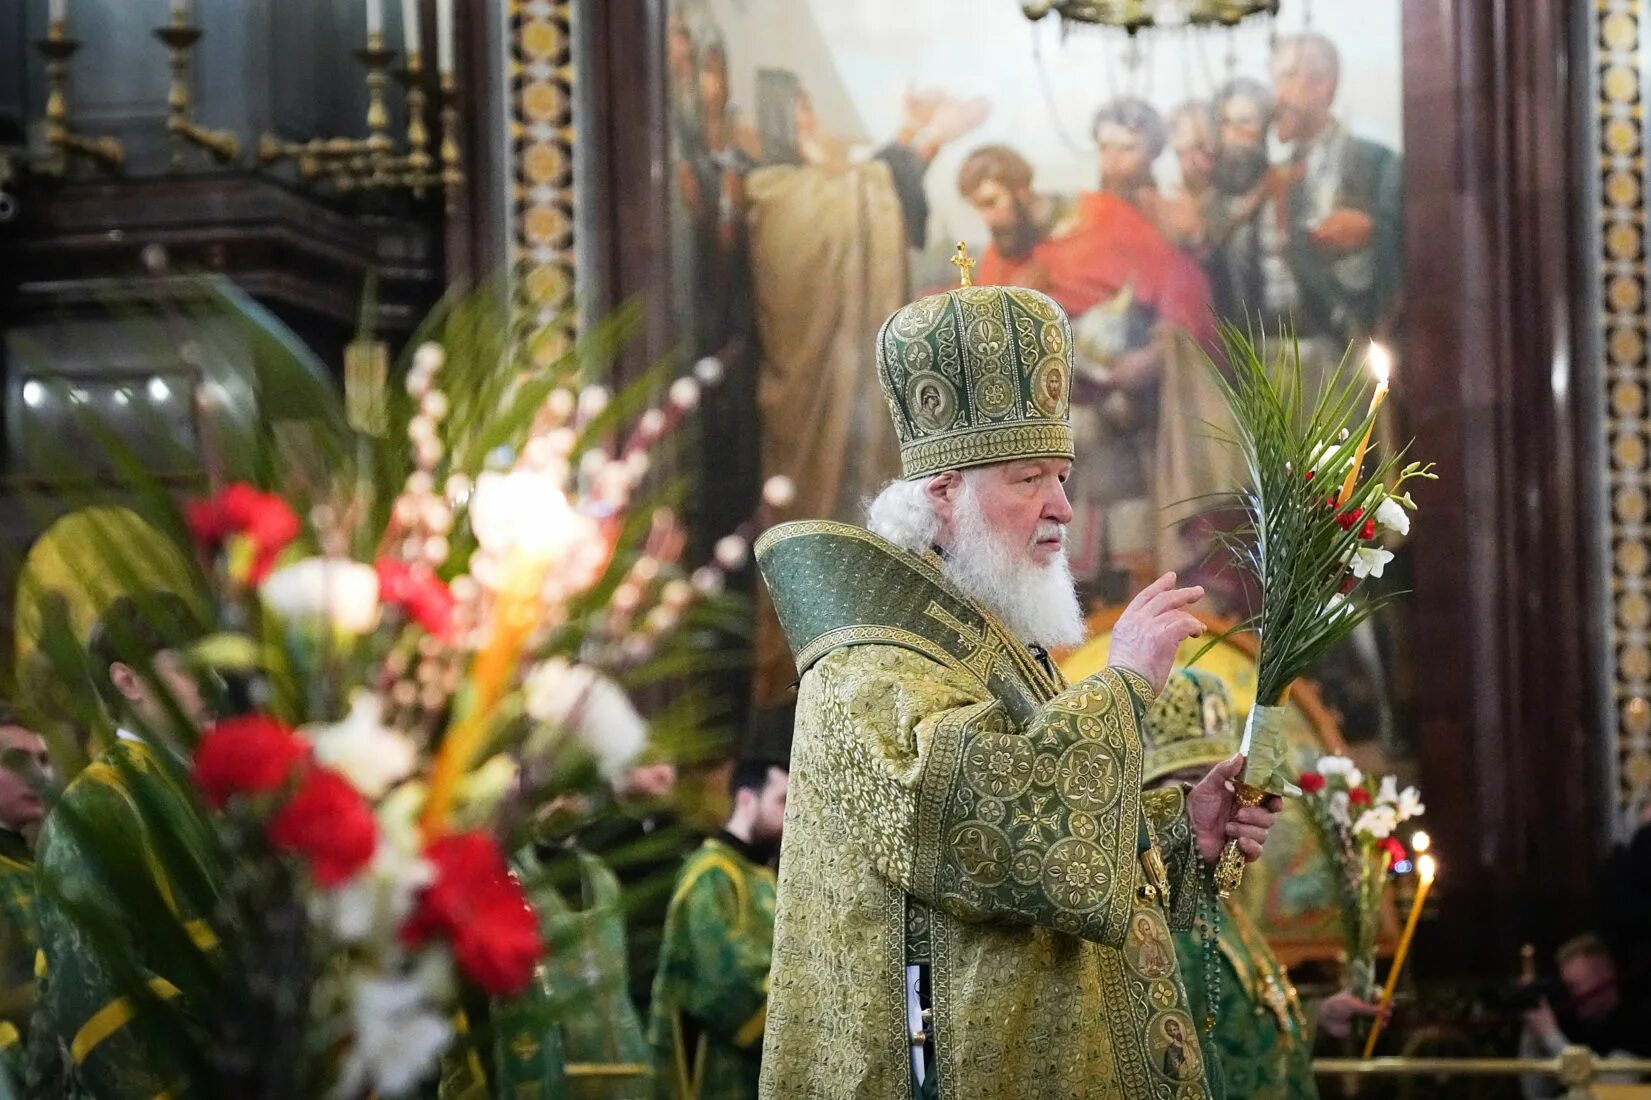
710	1001
24	770
155	854
1261	1040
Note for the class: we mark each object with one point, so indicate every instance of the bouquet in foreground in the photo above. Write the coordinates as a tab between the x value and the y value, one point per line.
1356	820
1319	506
420	608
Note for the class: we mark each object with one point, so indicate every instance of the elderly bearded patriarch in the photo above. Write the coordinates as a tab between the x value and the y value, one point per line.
976	898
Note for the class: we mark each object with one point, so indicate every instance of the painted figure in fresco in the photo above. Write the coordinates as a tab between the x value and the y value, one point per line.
1343	208
829	232
1247	258
1192	140
710	999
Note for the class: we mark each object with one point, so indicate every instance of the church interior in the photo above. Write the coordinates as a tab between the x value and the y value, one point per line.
290	287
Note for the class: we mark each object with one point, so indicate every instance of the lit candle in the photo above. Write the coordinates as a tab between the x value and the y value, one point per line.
444	35
410	29
180	11
58	11
1381	365
1425	870
1420	842
375	18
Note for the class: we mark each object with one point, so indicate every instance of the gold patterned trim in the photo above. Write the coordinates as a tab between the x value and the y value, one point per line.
1199	752
111	1018
1618	58
983	446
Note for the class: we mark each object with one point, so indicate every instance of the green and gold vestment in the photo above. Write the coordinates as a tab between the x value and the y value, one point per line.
1261	1041
125	828
710	997
19	943
1261	1044
955	803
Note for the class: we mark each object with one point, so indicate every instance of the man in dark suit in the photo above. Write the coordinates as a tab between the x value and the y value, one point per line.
1342	208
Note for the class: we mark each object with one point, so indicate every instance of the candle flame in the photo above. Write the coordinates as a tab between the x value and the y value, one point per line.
1427	867
1420	841
1380	361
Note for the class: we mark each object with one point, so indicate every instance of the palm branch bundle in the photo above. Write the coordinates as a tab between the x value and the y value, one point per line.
1319	502
420	608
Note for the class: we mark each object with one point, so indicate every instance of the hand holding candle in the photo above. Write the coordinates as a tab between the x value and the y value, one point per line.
1381	365
1426	868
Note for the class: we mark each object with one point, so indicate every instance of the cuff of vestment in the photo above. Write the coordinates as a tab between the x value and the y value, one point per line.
1137	684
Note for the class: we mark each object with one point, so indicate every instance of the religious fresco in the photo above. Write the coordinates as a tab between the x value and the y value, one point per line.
829	154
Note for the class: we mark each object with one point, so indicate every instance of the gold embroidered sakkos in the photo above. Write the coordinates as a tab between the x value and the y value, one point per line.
954	803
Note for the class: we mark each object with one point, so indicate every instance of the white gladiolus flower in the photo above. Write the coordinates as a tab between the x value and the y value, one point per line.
1368	561
1320	461
371	756
375	903
337	591
1391	516
526	512
578	700
1410	804
1343	766
1338	806
398	1037
1389	792
1377	821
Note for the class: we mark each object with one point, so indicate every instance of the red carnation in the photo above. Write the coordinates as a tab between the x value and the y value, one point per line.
1348	583
1395	850
477	905
1347	520
265	519
1311	782
1368	532
1309	476
1359	796
329	823
253	754
417	590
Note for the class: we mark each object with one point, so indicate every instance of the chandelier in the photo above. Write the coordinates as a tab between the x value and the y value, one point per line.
1134	15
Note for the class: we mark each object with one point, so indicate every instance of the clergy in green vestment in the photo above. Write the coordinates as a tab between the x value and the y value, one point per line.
1257	1032
126	830
710	996
975	897
24	770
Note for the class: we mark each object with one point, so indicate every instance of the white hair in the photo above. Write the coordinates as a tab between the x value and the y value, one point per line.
1039	603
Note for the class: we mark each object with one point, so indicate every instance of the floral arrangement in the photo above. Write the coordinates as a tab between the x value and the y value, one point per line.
1316	521
422	627
1356	820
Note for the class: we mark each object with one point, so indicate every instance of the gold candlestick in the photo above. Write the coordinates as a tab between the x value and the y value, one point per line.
376	149
1425	870
61	140
452	174
180	38
417	162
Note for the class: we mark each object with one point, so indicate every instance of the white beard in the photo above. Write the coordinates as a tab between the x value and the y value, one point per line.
1039	603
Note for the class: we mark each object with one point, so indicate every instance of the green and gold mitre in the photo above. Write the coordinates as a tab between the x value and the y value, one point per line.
1190	725
977	375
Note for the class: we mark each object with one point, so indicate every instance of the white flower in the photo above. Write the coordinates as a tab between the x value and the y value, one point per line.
580	701
526	511
1377	821
1342	766
1391	516
373	904
1368	561
371	756
1389	792
398	1037
1324	461
338	591
1338	807
1337	605
1410	804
